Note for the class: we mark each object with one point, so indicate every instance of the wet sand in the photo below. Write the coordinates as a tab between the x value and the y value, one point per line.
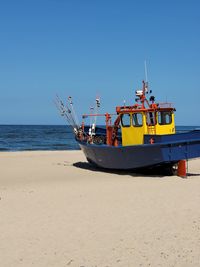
55	210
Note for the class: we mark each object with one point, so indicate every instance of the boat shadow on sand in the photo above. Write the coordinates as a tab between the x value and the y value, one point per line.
158	171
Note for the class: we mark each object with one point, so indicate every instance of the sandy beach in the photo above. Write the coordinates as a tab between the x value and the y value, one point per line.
57	211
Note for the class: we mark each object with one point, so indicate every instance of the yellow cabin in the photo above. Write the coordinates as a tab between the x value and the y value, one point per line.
136	123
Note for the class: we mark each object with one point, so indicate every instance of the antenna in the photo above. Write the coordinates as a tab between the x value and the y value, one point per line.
145	69
146	77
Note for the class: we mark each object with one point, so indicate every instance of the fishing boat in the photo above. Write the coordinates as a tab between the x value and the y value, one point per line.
142	135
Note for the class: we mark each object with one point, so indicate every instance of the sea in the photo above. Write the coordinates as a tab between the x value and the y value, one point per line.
45	137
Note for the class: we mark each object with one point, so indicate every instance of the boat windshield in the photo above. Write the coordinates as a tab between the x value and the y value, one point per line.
137	120
125	120
164	117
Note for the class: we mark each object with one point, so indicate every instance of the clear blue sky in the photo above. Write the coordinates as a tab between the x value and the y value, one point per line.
87	47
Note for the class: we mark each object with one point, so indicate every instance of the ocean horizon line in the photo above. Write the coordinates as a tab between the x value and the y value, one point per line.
178	125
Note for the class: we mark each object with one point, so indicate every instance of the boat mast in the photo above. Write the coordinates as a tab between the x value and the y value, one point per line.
141	94
94	112
97	106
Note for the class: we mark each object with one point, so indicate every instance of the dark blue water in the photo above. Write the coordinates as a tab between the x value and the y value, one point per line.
32	137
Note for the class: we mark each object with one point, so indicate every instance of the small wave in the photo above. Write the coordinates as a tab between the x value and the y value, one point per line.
11	136
58	144
4	149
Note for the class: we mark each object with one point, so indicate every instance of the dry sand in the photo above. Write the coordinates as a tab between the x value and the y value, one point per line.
53	213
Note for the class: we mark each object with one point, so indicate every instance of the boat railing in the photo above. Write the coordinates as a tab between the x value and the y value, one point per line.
165	105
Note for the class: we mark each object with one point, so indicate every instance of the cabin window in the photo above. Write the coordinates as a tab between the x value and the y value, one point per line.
137	120
125	120
151	118
164	117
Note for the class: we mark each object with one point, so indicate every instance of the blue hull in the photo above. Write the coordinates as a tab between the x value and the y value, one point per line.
167	149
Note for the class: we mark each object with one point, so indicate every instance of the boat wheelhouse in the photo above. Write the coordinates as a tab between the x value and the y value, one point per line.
134	122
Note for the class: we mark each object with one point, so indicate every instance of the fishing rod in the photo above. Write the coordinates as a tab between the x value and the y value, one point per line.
74	116
61	109
66	112
71	116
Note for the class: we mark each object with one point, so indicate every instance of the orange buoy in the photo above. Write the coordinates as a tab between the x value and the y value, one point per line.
182	169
